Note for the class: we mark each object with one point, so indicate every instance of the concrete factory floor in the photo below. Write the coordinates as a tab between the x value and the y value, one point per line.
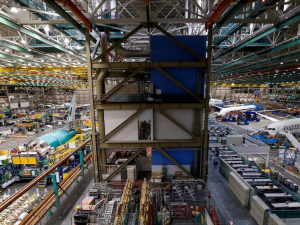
253	126
227	205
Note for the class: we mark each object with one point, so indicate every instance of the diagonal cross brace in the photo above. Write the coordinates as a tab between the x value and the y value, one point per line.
117	87
118	43
177	124
175	162
177	83
182	45
122	125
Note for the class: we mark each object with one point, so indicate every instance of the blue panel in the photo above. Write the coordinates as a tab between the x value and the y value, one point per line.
183	157
164	49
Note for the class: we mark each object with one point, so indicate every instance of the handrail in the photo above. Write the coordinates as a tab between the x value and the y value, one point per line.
23	190
41	207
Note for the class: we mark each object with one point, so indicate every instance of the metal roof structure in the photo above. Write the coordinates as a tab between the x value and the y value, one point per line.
253	41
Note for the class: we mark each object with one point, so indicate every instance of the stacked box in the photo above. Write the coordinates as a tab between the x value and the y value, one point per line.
239	188
258	208
131	175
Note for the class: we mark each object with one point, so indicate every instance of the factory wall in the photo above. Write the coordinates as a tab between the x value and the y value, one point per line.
162	127
166	129
82	96
114	118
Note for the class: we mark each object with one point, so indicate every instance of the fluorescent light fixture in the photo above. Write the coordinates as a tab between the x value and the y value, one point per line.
42	60
23	41
26	56
14	9
6	50
29	64
47	28
58	55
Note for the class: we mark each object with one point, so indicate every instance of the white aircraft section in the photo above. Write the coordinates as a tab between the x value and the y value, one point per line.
224	111
291	138
72	109
290	125
268	117
214	102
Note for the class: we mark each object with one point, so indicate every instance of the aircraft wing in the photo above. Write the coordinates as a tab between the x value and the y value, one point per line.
268	117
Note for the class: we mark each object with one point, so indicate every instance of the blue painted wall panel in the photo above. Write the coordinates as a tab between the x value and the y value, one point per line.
164	49
183	157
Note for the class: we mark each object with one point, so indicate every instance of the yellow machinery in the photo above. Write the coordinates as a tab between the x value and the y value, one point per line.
25	158
64	149
144	204
122	207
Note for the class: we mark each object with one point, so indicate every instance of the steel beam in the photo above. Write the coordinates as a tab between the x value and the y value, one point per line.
124	164
276	27
118	43
229	15
122	125
117	87
254	56
98	7
118	105
178	83
19	59
17	48
69	18
149	143
92	108
204	152
185	47
217	13
38	37
177	123
109	65
175	162
70	5
174	20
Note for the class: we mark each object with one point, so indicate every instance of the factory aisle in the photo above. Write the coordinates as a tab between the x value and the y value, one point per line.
65	217
228	205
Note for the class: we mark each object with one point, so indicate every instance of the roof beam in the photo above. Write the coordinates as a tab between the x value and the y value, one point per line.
256	55
17	48
229	15
272	29
217	13
19	59
69	18
38	37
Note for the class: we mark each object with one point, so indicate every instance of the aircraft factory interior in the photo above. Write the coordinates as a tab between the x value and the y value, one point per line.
149	112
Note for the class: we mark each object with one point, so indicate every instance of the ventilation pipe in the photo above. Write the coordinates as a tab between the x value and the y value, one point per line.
99	92
103	73
132	53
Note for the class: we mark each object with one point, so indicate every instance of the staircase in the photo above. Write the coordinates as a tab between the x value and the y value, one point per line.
43	183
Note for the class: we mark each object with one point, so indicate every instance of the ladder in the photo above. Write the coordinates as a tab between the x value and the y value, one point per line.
43	183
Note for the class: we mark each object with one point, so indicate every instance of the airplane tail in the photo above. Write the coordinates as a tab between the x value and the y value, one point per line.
71	114
224	99
257	99
258	96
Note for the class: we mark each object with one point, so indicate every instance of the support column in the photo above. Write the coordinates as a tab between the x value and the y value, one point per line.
267	161
53	177
204	152
90	82
81	162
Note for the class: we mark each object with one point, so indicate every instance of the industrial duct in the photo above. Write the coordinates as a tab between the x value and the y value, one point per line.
132	53
103	72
